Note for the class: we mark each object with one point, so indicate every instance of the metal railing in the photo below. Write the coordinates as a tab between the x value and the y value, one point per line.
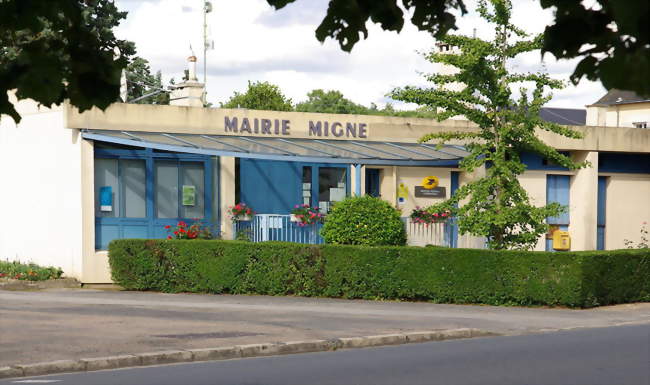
437	234
272	227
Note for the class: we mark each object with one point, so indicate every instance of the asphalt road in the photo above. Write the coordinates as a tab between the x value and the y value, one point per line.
607	356
73	324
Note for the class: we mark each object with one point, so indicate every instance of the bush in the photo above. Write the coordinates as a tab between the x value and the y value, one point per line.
366	221
443	275
28	272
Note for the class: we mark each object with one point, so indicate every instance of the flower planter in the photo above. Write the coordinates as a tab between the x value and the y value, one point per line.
243	218
294	218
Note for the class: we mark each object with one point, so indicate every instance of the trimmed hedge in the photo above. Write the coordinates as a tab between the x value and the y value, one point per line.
364	220
443	275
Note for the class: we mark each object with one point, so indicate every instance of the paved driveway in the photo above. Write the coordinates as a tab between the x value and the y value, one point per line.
69	324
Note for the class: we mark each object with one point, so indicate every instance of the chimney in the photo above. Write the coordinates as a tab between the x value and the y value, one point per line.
190	92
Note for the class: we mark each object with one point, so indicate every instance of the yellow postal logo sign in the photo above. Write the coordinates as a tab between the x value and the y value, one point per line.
430	182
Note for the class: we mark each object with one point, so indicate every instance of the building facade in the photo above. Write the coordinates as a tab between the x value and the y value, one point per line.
75	181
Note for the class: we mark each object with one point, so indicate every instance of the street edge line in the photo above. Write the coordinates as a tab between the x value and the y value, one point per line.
231	352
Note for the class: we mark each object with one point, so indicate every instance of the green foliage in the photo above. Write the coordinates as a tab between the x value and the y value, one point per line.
611	37
331	102
618	56
497	206
364	220
52	50
28	272
443	275
141	82
260	96
346	20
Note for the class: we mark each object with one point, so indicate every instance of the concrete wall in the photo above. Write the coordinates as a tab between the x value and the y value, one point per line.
628	206
174	119
623	115
41	193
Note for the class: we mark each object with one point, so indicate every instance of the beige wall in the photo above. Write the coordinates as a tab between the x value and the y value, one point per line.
628	206
40	197
226	194
174	119
623	115
583	202
412	176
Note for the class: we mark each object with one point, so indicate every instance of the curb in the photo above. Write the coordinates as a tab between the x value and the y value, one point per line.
230	352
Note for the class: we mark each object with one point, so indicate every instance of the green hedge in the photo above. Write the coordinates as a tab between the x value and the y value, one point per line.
575	279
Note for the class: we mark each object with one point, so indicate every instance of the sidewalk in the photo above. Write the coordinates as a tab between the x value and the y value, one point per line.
77	323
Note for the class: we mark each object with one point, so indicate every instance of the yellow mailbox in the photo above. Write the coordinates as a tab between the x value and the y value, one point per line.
561	240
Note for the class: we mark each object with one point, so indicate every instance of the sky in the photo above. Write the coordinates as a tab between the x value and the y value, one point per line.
255	42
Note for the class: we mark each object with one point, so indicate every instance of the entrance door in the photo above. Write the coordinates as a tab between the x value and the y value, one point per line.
373	178
179	193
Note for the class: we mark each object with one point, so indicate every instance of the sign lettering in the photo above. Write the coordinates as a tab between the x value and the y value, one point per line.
319	129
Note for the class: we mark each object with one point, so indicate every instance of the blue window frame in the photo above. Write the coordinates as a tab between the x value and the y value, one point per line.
119	223
601	217
274	187
558	190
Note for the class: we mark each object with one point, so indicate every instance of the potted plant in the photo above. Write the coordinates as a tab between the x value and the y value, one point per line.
427	216
183	231
240	212
305	215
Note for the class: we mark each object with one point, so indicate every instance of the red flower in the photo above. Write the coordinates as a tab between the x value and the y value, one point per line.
175	232
168	227
169	237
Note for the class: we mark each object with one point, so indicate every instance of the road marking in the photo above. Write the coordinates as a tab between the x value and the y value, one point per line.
35	381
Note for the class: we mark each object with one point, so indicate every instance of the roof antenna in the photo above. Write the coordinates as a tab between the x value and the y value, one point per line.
474	33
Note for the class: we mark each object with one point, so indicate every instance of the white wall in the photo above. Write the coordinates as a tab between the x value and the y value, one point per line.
40	191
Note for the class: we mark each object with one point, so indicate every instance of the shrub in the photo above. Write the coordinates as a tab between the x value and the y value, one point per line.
443	275
28	272
366	221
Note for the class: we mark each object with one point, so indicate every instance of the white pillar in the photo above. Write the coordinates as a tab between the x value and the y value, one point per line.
583	202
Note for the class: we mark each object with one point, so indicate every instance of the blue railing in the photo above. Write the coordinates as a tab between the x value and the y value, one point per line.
272	227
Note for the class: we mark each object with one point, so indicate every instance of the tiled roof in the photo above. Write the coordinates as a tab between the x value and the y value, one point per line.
615	96
565	116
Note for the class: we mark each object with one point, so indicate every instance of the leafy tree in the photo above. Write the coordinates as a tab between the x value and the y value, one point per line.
619	56
612	36
332	102
260	96
141	82
52	50
494	206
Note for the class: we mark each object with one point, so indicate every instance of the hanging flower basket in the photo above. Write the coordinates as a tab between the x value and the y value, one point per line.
240	212
305	215
426	217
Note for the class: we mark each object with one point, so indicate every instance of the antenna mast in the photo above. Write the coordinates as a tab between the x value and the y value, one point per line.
207	8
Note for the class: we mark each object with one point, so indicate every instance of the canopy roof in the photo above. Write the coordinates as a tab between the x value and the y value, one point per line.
289	149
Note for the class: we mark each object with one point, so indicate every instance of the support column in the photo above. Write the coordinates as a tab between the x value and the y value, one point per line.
356	173
226	194
583	212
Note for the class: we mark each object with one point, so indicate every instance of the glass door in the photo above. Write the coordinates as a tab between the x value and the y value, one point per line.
324	184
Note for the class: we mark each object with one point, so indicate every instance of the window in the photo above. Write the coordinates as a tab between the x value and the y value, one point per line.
306	185
331	186
120	188
180	189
